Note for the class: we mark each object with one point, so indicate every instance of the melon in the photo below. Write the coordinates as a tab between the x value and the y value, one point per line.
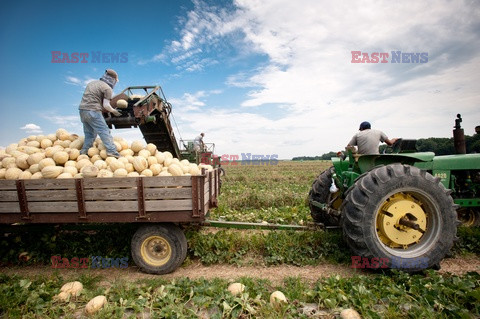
95	305
104	173
21	161
34	168
152	148
61	157
236	288
140	163
71	170
147	172
277	298
35	158
51	171
136	146
133	174
64	175
25	175
144	153
160	157
89	171
175	170
122	104
45	162
120	172
83	162
13	173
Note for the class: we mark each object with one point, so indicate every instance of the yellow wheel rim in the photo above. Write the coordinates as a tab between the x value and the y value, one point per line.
467	218
156	251
391	217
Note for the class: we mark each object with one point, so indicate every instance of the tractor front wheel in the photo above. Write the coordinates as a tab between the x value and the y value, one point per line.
320	194
400	217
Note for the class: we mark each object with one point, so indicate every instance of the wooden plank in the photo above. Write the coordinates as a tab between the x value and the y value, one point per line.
53	207
110	183
111	206
168	193
8	196
46	184
130	217
7	185
168	205
168	181
51	196
9	207
110	194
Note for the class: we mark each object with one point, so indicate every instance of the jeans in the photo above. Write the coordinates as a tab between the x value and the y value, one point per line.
93	124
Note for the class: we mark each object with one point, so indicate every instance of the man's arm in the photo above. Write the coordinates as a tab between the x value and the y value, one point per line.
390	142
109	108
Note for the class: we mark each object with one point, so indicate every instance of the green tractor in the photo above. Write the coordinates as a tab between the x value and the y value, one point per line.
399	209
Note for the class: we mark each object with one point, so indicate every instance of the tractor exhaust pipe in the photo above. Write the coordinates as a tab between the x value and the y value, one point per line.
459	137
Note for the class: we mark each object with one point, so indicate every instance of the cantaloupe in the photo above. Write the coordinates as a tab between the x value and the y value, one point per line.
61	157
136	146
277	298
120	172
140	163
51	171
13	173
89	171
122	104
236	288
95	305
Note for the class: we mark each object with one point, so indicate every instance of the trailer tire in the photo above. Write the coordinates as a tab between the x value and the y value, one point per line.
372	213
159	249
320	193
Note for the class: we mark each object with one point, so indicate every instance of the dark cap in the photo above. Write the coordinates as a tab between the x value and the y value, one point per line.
364	126
112	73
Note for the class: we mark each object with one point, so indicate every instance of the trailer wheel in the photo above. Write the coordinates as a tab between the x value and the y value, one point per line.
159	249
398	216
320	193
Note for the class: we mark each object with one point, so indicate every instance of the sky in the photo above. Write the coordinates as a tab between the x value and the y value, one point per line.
260	77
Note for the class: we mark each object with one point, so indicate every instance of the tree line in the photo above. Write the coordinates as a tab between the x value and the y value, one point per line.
438	145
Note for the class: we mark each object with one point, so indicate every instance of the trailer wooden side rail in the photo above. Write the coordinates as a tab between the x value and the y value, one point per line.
179	199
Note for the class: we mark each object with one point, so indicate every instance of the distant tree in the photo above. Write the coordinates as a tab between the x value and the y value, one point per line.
438	145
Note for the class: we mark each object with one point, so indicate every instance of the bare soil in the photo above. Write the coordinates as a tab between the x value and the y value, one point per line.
275	274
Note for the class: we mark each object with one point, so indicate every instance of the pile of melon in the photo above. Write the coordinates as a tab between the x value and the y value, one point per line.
58	156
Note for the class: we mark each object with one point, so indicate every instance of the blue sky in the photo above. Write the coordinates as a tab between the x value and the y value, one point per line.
261	77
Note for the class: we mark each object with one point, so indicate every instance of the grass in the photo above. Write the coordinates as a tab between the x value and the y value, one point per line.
397	295
276	194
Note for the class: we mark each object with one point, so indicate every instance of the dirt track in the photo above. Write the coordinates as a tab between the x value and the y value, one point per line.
275	274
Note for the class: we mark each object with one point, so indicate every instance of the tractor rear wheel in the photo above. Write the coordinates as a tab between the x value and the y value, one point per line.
402	216
320	193
159	249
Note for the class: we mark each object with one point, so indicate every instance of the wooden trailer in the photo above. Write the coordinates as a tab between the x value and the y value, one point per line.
157	204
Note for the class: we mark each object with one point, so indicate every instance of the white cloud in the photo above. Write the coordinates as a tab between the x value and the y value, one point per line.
308	70
32	128
77	81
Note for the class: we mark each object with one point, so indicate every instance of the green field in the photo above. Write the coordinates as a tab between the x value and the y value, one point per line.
274	194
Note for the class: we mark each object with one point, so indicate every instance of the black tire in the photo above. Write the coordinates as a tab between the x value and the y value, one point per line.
401	189
320	193
159	249
469	217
